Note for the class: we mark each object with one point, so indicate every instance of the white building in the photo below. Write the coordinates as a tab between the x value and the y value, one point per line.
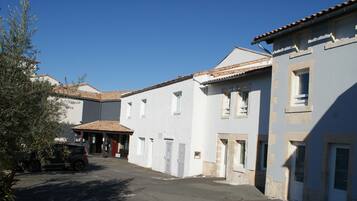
165	118
176	124
237	118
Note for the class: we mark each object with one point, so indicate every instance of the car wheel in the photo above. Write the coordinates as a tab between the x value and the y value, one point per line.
78	165
34	166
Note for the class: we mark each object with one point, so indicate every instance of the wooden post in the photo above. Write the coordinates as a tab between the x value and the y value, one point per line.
105	147
81	137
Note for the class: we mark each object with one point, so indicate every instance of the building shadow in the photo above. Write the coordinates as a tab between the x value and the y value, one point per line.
76	191
337	125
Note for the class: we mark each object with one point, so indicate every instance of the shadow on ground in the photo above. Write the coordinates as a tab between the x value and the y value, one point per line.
76	191
54	171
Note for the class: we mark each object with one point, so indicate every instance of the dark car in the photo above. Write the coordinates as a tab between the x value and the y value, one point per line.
64	156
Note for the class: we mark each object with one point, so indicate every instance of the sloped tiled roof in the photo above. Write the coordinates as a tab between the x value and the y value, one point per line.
72	92
103	126
236	70
162	84
236	73
325	14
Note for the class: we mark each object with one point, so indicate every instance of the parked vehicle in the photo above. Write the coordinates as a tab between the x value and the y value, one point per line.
64	156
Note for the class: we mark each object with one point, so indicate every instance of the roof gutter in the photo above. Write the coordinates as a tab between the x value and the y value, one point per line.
269	39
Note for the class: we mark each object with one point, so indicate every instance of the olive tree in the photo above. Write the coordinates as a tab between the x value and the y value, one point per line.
29	113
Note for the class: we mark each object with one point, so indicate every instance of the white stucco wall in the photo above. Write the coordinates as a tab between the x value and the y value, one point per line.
46	78
239	56
88	88
73	112
252	125
159	123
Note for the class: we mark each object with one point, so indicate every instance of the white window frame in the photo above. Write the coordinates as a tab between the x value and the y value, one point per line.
141	146
226	104
238	165
242	107
296	98
128	110
143	108
177	103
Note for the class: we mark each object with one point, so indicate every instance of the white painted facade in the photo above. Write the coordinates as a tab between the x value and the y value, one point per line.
73	112
88	88
240	55
196	126
46	78
162	125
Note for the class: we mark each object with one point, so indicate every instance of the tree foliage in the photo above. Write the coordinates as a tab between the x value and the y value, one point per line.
29	113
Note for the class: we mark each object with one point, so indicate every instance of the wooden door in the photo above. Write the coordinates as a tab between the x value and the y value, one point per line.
114	147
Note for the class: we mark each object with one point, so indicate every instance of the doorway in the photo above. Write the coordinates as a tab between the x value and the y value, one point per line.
338	172
181	160
168	154
223	157
150	147
297	171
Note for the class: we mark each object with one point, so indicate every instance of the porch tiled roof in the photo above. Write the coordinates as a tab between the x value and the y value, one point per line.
103	126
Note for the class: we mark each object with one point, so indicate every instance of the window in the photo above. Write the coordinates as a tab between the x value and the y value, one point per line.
143	108
341	168
226	104
345	28
141	146
240	156
263	155
300	87
301	41
300	163
176	103
242	103
128	111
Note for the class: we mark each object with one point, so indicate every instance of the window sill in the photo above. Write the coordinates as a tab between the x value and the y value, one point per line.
239	169
241	116
298	109
225	117
340	43
300	53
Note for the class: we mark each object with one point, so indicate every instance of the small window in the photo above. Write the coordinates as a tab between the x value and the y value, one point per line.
242	103
128	110
300	87
345	28
263	155
300	163
240	156
143	108
141	146
341	168
176	103
301	41
226	104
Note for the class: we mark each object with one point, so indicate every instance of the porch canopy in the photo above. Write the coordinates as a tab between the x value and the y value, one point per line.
102	126
106	137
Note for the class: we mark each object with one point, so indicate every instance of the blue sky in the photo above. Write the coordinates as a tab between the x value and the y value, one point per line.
133	44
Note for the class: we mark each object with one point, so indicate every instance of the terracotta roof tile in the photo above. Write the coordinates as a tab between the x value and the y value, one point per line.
309	19
103	126
73	92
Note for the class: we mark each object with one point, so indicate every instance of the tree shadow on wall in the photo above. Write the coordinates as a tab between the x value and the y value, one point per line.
76	191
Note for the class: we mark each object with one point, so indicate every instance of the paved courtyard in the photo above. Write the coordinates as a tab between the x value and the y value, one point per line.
110	179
